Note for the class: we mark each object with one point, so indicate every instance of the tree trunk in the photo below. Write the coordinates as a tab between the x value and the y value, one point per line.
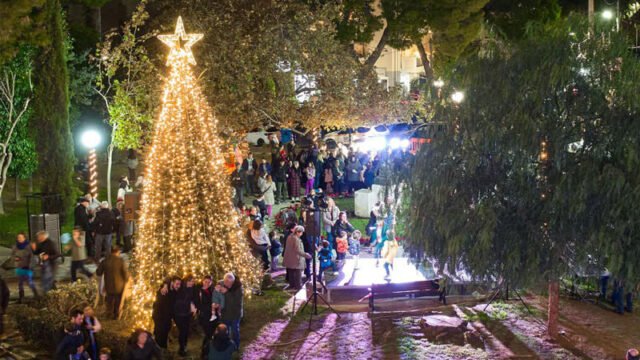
554	301
1	205
375	55
17	189
428	71
109	166
31	183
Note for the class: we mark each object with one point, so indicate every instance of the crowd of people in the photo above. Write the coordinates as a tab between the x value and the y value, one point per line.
292	173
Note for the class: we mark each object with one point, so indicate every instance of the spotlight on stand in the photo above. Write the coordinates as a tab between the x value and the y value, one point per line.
91	139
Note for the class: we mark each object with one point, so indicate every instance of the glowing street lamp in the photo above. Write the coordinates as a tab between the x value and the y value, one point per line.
438	83
457	97
607	14
91	139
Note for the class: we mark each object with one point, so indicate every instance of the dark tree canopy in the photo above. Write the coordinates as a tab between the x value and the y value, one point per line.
511	18
21	23
51	110
539	176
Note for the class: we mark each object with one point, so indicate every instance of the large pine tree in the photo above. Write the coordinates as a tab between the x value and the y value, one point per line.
188	224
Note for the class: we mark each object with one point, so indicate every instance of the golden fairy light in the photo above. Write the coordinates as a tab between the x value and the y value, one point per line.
187	221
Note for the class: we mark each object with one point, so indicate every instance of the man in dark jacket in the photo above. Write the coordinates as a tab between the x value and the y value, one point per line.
73	336
82	219
116	276
142	347
233	306
162	313
203	302
103	226
249	170
183	310
238	184
280	171
48	253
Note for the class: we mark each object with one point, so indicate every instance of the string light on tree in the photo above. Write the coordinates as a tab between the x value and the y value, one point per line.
91	139
187	222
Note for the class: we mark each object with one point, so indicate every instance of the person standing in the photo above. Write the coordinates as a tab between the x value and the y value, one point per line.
354	174
378	238
103	226
116	277
280	178
329	218
328	180
82	218
311	178
238	184
354	247
264	168
48	254
22	254
268	189
183	310
162	313
311	238
249	169
294	258
389	252
294	181
204	305
78	254
233	309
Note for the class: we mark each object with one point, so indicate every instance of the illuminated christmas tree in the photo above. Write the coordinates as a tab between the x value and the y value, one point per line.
187	222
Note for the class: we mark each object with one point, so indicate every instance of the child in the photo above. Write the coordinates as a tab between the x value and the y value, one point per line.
105	354
354	246
389	251
342	245
217	301
324	257
275	250
80	354
328	180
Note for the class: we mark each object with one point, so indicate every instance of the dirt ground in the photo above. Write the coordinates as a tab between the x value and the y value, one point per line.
507	331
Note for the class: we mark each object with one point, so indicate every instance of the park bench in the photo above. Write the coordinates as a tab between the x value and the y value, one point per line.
414	289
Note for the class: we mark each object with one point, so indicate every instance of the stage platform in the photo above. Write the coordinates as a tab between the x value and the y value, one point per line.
352	284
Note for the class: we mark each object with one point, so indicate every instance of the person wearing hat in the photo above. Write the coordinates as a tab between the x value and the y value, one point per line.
632	354
103	227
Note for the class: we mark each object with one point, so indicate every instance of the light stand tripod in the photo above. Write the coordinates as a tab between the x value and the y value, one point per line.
313	299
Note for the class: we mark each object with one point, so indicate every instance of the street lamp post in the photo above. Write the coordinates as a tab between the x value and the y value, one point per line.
91	139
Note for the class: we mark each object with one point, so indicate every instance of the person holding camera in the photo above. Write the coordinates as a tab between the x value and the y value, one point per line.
311	220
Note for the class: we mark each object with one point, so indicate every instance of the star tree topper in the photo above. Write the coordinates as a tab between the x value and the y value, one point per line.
180	43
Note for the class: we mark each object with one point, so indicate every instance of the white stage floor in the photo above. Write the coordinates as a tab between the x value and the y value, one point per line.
367	273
